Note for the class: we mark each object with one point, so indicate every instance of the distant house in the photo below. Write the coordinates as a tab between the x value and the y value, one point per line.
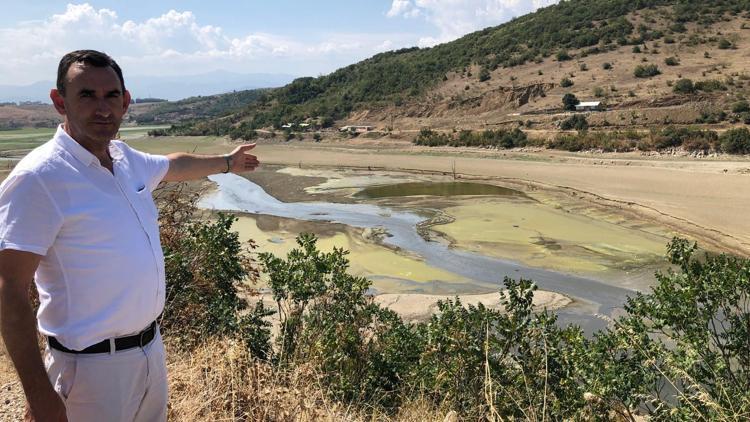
355	129
589	106
287	126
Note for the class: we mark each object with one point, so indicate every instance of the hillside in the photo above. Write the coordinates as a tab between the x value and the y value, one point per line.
201	107
485	78
13	116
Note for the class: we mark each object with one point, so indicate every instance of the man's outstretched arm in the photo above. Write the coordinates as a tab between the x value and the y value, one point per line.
18	328
184	166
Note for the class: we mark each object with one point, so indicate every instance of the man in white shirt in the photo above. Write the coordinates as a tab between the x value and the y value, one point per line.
77	216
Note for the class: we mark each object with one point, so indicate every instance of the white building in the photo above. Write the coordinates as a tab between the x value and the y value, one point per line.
356	129
589	106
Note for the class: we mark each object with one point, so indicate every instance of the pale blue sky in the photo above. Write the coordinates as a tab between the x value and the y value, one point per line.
192	37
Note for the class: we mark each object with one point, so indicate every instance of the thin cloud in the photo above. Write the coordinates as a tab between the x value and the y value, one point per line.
455	18
175	42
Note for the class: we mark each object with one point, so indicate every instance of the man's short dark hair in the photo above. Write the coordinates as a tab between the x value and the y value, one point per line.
88	57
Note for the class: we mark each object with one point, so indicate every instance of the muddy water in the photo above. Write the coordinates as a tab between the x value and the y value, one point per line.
446	189
456	265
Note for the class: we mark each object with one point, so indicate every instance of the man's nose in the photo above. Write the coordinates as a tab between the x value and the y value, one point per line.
103	108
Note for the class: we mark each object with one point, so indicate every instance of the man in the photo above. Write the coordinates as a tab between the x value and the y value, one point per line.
77	216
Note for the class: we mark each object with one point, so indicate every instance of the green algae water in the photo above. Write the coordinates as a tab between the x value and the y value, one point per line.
437	189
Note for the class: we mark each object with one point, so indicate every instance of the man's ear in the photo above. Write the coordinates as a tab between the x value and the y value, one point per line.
126	101
57	101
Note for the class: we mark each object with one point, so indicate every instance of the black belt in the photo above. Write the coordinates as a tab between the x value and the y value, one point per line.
122	343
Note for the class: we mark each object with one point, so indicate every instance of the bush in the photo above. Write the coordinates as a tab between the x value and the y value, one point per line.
607	66
684	86
689	138
484	75
576	122
563	56
672	61
636	49
570	102
566	83
207	272
710	85
736	141
724	44
741	107
487	139
646	71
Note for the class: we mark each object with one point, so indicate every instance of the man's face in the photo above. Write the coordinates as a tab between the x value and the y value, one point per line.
93	104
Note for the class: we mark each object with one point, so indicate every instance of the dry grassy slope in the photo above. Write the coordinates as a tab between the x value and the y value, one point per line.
534	89
41	115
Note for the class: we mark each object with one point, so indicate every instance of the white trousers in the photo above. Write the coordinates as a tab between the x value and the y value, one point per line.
126	386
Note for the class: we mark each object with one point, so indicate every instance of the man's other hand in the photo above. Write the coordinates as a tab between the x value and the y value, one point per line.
46	409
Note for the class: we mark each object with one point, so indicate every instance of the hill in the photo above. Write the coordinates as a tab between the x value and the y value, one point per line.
483	79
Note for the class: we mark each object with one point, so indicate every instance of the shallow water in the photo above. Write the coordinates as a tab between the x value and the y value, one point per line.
592	297
446	189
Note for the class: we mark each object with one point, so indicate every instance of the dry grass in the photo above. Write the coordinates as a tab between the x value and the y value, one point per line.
220	381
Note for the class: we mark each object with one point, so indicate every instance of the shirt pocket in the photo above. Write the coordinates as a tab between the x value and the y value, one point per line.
146	203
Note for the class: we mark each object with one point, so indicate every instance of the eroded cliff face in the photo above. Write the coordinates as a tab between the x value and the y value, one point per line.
499	100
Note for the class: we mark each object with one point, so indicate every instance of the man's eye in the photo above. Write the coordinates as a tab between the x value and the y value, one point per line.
86	94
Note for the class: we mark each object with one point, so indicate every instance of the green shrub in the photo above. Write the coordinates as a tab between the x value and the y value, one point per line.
646	71
741	107
486	139
736	141
362	351
576	122
710	85
484	75
207	271
570	102
565	83
606	65
724	44
563	56
672	61
689	138
684	86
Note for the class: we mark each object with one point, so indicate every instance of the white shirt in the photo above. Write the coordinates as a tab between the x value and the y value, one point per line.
102	271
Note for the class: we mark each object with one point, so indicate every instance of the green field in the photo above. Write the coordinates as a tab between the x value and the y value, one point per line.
18	142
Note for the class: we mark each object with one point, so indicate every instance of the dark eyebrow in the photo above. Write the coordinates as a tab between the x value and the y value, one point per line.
85	91
114	91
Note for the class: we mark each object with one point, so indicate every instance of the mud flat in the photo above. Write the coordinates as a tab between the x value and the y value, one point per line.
706	199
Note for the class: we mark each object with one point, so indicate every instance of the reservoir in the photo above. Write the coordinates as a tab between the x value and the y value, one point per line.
448	237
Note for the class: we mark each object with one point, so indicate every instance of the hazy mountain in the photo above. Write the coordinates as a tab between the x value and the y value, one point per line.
167	87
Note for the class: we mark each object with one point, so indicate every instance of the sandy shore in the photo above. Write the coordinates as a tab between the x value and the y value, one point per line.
707	199
416	307
419	307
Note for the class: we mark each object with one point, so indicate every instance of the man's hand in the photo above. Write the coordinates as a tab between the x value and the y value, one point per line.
50	408
241	161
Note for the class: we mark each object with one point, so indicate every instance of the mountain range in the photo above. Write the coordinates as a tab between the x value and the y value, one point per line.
166	87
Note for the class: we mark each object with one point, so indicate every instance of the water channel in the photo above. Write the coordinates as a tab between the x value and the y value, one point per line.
594	300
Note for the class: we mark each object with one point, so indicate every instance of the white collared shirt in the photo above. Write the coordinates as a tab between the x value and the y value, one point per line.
102	268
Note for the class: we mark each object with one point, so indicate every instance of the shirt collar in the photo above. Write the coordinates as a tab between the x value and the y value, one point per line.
79	152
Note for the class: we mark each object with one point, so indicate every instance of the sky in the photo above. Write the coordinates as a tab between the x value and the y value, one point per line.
189	37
